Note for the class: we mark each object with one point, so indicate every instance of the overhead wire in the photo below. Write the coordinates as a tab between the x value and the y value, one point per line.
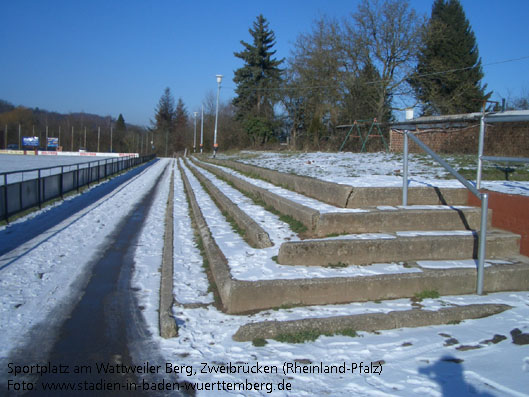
379	81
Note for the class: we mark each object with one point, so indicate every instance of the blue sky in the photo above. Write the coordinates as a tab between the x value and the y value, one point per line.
117	56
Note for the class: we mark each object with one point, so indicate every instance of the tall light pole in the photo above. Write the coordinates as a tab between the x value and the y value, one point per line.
195	134
201	129
215	144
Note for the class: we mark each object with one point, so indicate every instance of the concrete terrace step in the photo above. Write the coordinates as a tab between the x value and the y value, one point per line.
366	220
240	296
401	247
346	196
392	219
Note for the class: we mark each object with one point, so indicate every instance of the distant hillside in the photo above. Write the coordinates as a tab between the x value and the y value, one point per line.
33	121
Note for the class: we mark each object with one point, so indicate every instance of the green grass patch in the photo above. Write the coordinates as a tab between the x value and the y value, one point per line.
295	225
259	342
426	294
337	265
284	306
235	227
299	337
333	235
347	332
311	335
275	259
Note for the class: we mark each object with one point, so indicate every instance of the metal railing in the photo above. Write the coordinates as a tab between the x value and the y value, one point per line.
482	127
20	195
484	197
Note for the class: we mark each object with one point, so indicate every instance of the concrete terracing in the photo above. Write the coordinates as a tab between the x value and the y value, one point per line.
458	241
345	196
369	220
388	248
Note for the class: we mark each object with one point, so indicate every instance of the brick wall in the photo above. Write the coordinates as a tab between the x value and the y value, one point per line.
509	212
501	139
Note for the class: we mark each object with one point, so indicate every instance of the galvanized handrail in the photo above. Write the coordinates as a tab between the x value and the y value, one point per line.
484	197
498	117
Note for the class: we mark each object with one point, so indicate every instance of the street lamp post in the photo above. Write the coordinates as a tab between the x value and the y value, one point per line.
202	129
195	133
215	144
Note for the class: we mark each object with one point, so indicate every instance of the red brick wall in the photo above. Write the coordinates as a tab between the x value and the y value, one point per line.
501	139
509	212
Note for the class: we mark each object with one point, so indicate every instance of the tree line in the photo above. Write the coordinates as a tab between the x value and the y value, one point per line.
361	69
76	131
381	59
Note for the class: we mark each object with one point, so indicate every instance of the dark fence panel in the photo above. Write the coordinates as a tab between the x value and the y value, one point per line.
18	196
51	187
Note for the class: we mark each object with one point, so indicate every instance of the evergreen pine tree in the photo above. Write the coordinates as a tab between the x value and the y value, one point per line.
164	119
449	44
120	123
255	100
181	120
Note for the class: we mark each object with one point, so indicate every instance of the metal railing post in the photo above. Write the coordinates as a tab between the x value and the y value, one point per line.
39	195
62	182
405	171
6	215
482	241
89	176
480	150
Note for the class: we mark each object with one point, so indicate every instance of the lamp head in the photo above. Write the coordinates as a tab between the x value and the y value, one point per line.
219	78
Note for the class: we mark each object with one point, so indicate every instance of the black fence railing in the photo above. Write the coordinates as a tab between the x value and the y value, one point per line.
43	184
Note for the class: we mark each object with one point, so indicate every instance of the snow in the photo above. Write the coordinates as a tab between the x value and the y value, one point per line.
459	264
247	263
41	277
13	162
296	197
370	169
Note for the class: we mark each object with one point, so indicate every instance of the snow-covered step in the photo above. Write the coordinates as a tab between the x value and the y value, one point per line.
346	196
402	246
392	219
323	219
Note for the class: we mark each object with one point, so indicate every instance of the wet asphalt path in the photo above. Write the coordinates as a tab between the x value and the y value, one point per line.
104	324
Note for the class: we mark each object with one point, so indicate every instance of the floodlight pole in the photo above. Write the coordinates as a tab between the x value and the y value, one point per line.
202	129
195	133
215	144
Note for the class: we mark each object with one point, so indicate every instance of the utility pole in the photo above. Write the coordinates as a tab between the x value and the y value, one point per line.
111	139
46	137
202	130
5	137
59	135
98	136
215	144
72	139
19	136
195	133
